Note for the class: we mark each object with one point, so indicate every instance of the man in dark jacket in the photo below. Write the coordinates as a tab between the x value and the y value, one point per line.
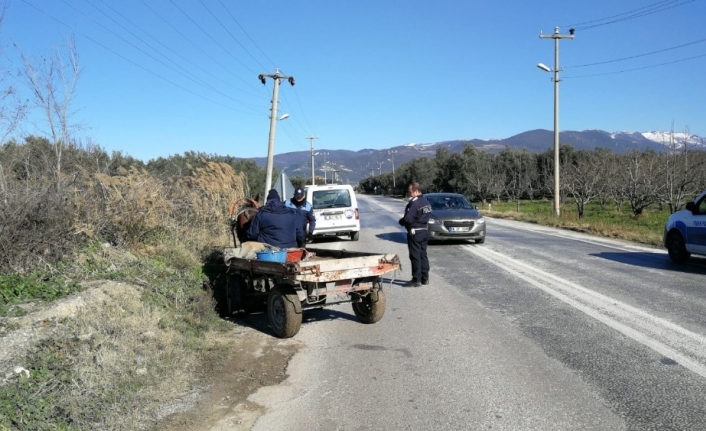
305	211
275	224
415	220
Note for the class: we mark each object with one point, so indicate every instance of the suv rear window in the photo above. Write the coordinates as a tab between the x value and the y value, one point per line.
336	198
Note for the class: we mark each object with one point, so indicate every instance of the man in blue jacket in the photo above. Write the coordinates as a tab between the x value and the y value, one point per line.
305	211
275	224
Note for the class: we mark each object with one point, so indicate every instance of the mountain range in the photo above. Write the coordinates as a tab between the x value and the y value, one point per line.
352	166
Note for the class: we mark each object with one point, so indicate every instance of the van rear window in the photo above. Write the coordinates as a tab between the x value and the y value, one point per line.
331	199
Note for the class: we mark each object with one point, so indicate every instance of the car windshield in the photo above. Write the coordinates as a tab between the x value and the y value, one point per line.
331	199
449	202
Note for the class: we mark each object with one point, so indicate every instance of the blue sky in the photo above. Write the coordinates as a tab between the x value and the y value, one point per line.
369	74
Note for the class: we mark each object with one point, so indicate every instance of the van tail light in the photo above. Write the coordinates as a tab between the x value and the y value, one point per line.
357	216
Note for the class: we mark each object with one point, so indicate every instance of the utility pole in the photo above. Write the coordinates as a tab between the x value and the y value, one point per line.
556	36
311	139
392	159
380	167
323	167
372	172
277	76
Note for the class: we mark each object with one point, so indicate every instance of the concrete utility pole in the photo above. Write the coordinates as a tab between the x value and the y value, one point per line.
556	36
380	167
372	172
311	139
392	159
277	76
323	167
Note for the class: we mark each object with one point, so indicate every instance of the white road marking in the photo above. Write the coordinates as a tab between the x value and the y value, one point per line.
669	339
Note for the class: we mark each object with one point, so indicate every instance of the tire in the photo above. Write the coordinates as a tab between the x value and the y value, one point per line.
676	248
480	241
284	311
355	236
234	294
371	308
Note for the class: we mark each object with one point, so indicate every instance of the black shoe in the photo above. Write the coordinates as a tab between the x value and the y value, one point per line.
425	281
412	283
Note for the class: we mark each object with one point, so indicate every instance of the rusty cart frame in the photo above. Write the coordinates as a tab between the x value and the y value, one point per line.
327	278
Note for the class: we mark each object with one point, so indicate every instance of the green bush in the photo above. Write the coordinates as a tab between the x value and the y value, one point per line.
15	289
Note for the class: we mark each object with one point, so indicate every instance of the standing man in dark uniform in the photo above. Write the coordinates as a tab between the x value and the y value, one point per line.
415	220
305	211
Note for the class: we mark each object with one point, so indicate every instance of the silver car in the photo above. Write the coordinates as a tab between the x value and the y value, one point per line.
454	218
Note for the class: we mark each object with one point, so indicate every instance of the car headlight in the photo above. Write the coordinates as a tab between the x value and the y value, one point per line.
480	220
432	221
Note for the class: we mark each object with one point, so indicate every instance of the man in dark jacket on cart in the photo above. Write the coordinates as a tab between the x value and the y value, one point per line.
305	211
276	225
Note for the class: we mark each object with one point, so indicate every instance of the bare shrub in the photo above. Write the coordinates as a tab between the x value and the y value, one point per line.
36	225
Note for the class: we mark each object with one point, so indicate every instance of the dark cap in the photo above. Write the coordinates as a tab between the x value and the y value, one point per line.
273	195
299	193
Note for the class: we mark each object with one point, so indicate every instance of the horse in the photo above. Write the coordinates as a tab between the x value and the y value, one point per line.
241	213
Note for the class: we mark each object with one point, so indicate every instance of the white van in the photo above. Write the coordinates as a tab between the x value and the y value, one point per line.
336	210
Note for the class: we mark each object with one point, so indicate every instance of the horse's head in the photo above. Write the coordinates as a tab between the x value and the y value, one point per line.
242	212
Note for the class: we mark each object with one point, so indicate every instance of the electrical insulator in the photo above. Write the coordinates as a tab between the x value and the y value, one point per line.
261	77
291	80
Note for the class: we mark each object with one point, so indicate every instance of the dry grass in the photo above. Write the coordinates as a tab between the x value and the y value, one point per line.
116	363
126	361
608	223
136	206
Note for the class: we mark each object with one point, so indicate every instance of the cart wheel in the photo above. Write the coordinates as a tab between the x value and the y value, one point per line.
234	294
284	311
371	308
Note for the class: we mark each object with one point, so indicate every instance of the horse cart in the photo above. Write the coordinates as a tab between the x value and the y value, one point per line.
309	278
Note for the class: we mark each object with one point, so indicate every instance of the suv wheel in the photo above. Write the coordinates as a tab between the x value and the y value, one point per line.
676	248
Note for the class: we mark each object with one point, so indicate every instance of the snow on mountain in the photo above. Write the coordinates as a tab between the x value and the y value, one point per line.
679	138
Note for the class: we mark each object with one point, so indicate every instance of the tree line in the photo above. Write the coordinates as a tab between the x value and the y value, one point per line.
636	179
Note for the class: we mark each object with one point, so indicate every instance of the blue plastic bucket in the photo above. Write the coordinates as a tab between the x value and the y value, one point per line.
272	256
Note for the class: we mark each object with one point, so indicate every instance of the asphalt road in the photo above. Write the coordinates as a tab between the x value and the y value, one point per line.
537	329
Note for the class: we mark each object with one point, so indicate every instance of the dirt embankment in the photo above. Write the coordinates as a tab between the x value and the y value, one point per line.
115	342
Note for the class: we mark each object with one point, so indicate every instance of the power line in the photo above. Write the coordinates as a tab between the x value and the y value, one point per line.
193	79
647	12
212	38
133	62
289	108
197	46
638	55
637	68
246	33
231	34
620	14
302	109
186	59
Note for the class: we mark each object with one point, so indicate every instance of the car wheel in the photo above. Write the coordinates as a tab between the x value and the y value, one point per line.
355	236
480	241
676	248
